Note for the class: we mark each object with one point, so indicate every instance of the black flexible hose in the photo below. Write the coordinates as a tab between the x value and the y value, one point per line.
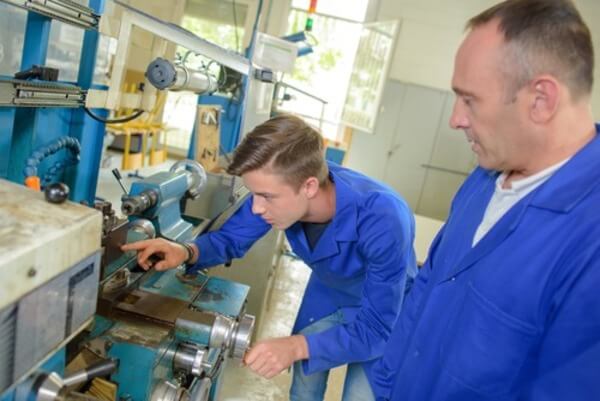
116	120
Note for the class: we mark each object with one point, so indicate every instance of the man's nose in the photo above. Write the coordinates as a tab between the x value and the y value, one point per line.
458	119
257	205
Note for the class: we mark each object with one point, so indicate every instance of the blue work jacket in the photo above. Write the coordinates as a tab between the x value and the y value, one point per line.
517	317
359	266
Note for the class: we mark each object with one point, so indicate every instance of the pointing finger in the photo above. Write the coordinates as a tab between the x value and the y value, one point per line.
135	246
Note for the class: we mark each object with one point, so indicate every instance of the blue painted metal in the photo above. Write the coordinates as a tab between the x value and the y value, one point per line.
101	326
335	155
23	141
194	332
37	35
305	50
299	37
175	284
7	396
246	79
134	376
145	350
233	110
7	119
295	37
89	132
166	215
241	109
56	363
222	296
32	129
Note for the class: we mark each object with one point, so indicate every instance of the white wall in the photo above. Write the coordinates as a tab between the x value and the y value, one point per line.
431	31
590	10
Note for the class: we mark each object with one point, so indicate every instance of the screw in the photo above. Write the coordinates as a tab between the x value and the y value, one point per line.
32	272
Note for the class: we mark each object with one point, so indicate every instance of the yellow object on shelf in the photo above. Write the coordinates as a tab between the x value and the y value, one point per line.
144	128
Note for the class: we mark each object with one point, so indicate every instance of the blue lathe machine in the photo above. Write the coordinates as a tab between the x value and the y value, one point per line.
84	322
79	319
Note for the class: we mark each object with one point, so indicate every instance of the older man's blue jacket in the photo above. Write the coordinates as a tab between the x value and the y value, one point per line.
359	266
517	317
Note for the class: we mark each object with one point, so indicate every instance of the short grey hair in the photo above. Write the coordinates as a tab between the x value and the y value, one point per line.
543	37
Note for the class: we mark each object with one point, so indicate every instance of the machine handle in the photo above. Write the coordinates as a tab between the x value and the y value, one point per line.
102	368
117	175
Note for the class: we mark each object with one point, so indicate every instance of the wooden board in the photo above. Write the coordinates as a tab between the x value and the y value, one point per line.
207	134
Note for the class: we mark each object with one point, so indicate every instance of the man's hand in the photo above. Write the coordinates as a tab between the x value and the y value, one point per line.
169	254
270	357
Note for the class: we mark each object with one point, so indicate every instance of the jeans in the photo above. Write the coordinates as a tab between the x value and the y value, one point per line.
312	387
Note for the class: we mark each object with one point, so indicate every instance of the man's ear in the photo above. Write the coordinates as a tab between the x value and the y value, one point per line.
311	187
546	99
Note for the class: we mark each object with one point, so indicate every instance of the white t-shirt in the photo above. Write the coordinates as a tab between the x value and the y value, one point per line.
504	199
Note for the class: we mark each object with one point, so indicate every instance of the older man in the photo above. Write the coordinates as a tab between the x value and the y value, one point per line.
506	306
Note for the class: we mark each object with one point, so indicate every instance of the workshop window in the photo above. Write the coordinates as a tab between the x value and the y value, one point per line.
326	72
12	33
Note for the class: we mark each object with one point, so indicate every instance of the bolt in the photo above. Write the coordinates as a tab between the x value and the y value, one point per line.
32	272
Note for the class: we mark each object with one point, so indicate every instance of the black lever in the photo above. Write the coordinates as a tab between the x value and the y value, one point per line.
40	72
117	175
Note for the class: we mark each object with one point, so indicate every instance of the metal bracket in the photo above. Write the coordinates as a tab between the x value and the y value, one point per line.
19	93
133	17
63	10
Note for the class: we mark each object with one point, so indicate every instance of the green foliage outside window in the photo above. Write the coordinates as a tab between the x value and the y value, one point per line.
325	58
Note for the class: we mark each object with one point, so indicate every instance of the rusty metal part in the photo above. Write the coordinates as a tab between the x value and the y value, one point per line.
117	282
109	217
155	307
138	331
113	241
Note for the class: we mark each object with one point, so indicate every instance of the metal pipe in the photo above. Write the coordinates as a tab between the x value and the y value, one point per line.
102	368
164	74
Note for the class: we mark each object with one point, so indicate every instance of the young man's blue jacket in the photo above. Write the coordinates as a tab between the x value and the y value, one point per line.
517	317
359	266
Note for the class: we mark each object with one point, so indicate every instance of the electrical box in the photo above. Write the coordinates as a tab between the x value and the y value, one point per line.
276	54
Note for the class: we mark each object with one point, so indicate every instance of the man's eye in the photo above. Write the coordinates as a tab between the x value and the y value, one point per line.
467	101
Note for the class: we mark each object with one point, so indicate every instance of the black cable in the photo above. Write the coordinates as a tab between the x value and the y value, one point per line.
235	25
116	120
224	74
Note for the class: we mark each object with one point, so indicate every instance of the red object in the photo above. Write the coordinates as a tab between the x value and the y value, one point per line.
311	10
